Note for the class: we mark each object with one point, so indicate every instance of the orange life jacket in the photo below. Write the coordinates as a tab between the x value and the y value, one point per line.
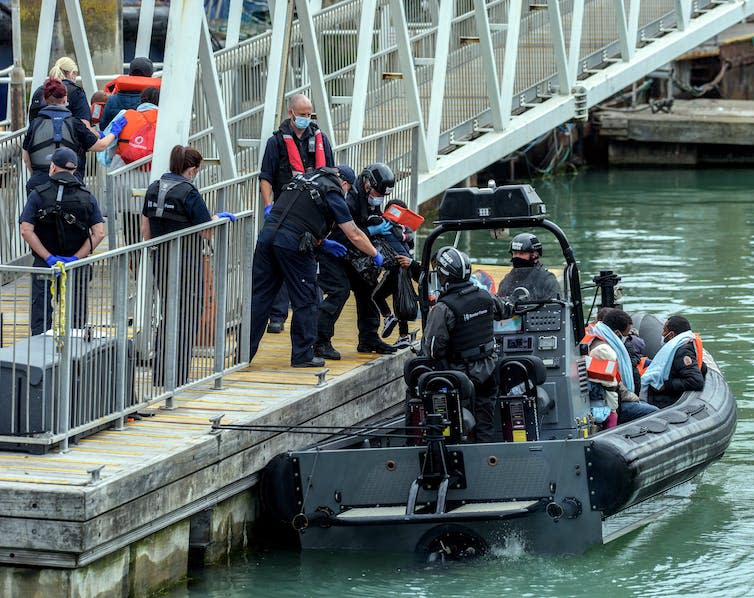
602	369
135	120
294	158
132	83
599	369
698	349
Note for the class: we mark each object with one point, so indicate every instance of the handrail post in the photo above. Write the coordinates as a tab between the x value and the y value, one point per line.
170	318
120	318
221	298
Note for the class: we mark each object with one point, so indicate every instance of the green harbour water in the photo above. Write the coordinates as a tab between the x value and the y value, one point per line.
681	240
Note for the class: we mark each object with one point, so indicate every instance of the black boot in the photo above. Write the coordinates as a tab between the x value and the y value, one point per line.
326	350
375	346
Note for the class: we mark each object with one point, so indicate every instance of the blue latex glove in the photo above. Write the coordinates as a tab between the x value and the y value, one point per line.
267	210
229	215
378	259
118	125
52	260
66	259
333	248
384	228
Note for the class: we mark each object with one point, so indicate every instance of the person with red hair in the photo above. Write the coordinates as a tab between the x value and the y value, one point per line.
56	127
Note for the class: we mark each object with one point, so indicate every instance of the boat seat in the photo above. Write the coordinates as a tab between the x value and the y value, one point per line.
450	393
412	371
526	370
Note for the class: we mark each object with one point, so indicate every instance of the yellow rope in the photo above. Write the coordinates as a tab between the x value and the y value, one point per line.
58	307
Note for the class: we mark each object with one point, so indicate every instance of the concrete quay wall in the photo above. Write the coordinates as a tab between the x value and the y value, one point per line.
131	535
694	132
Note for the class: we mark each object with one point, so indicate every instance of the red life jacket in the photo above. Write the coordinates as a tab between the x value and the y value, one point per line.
294	158
132	83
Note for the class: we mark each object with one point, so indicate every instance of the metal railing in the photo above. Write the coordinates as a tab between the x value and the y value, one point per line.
129	328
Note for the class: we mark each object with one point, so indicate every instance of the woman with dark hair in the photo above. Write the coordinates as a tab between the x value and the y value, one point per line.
56	127
173	203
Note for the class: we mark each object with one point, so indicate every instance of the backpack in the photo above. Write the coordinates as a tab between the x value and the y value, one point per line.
140	142
50	130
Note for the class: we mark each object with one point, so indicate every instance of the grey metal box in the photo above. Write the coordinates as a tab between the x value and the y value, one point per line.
30	384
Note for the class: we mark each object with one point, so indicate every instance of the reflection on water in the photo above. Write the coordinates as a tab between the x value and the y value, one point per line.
681	241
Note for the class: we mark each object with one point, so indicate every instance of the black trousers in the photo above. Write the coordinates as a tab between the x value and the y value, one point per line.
484	410
337	278
41	299
274	266
387	286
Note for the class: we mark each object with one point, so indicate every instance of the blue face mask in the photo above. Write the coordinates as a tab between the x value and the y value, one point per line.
301	122
375	201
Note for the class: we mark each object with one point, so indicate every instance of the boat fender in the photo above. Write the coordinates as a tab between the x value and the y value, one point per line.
277	489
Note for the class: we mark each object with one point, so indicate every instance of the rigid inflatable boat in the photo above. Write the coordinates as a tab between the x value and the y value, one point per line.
554	481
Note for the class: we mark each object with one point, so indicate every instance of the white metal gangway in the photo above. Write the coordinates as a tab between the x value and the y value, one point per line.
480	78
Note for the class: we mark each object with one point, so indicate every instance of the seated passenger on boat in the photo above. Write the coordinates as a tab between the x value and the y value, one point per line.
459	333
677	367
610	331
528	280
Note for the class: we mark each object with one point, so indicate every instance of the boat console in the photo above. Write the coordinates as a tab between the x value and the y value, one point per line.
540	333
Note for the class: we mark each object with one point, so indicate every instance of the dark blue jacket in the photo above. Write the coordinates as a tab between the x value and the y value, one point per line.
123	100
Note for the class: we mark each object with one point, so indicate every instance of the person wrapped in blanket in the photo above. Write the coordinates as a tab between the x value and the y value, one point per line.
610	371
400	239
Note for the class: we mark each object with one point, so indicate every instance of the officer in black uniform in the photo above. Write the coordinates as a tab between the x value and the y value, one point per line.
298	223
528	280
459	333
173	203
61	222
338	277
310	149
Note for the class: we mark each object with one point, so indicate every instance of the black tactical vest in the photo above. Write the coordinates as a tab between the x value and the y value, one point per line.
64	218
50	130
166	205
472	338
302	205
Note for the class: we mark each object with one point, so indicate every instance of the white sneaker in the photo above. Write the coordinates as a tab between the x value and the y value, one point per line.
390	323
402	342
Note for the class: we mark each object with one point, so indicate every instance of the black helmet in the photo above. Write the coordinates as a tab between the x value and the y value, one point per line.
380	177
453	265
525	242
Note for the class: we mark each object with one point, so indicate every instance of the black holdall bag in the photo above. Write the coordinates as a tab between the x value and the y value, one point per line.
405	300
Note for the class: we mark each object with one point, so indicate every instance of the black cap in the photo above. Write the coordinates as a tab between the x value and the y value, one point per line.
141	67
64	158
346	173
